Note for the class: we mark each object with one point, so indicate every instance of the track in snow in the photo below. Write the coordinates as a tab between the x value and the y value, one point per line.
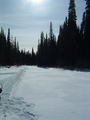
10	107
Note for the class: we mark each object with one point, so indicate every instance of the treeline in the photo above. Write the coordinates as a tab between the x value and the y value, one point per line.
72	48
10	53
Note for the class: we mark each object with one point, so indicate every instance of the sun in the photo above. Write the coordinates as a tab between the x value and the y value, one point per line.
37	1
34	1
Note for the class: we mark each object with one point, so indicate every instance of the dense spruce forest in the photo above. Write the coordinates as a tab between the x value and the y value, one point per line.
70	49
10	53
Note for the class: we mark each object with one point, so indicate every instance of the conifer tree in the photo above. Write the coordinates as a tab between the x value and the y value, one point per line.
87	30
52	47
8	48
33	56
83	23
51	31
40	49
72	15
2	47
82	42
63	44
73	34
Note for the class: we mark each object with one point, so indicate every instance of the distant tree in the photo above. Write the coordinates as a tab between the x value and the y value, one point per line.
72	15
83	23
51	31
62	44
17	46
87	31
15	52
52	47
46	51
40	55
2	47
73	34
69	39
33	57
10	53
8	48
82	32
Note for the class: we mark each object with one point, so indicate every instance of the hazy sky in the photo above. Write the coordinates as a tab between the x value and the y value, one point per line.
27	18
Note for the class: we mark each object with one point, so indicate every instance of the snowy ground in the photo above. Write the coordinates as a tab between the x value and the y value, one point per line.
31	93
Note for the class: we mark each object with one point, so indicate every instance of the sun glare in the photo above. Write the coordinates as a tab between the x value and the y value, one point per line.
34	1
37	1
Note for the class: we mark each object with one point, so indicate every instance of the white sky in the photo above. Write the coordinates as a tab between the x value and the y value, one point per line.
27	18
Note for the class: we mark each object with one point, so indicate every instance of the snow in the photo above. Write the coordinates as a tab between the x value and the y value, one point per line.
31	93
12	107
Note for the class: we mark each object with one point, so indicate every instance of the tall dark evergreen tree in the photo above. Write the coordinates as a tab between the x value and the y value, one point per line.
73	34
68	39
52	47
87	31
8	48
62	44
82	33
46	51
2	47
83	23
33	57
51	31
72	15
40	54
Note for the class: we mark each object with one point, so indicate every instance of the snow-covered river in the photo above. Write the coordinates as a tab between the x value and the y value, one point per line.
32	93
